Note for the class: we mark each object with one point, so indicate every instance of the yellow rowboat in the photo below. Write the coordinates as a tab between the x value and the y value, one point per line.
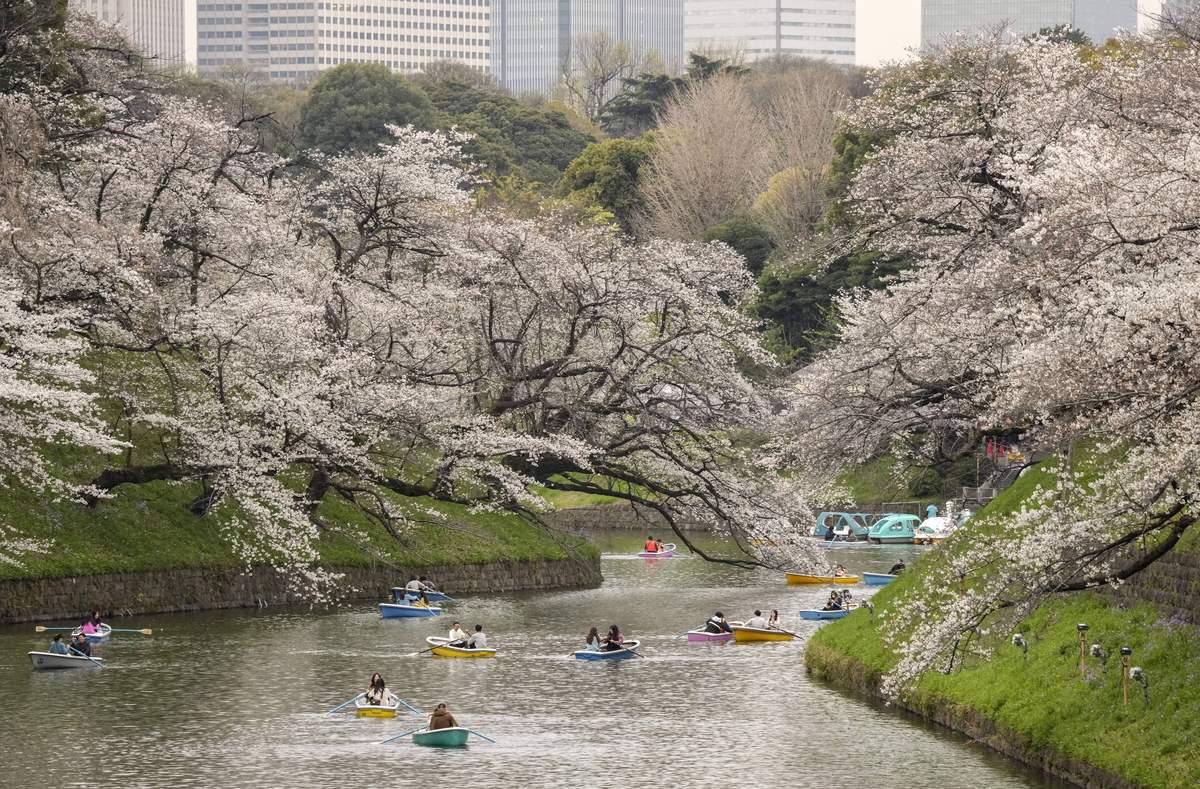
798	578
743	634
366	710
441	649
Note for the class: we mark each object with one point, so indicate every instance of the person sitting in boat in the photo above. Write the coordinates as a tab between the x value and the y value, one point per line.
57	647
458	636
834	603
441	719
651	545
88	627
414	593
839	572
757	620
478	639
81	645
427	584
593	640
658	546
773	621
614	640
378	693
896	568
717	624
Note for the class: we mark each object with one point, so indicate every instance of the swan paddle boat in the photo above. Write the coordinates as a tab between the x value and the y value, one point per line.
46	661
400	596
743	634
878	579
442	648
820	613
402	610
840	526
455	737
894	528
99	637
612	654
667	552
801	578
367	710
934	530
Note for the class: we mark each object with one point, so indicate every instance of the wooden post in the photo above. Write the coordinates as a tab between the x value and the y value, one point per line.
1125	677
1082	661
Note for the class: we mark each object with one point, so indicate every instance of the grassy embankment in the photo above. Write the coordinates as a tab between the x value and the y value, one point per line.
1044	703
149	527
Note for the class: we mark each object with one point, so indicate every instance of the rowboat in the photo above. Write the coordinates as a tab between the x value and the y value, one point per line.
817	613
743	634
399	595
800	578
441	648
667	552
396	610
455	737
366	710
877	579
613	654
96	638
45	661
704	635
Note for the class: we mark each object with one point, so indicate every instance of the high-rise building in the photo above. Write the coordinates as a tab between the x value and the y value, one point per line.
756	29
887	29
531	39
295	41
163	30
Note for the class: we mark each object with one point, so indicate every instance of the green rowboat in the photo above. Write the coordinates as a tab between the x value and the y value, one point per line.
444	738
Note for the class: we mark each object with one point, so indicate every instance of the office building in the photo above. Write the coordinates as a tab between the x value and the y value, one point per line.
295	41
531	39
756	29
163	30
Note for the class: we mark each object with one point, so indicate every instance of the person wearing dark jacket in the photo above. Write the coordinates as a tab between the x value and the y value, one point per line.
717	624
442	719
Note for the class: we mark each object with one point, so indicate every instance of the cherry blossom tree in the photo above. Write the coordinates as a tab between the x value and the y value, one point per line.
1044	191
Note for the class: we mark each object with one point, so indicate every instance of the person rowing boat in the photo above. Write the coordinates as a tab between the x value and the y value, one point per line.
614	640
478	639
441	718
651	545
717	624
457	637
378	694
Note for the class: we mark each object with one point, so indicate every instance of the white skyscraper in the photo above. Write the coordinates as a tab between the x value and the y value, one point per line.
756	29
295	41
164	30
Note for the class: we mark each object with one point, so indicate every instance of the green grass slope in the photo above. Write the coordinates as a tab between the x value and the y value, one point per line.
1045	699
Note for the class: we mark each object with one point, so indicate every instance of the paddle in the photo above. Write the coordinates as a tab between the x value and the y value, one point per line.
398	736
89	657
144	631
346	704
477	734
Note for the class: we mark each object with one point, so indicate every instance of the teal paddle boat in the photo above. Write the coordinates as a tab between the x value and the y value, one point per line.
894	528
455	737
841	526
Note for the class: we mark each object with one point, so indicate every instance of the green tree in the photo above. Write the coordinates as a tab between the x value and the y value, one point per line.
31	42
748	238
350	106
606	175
643	98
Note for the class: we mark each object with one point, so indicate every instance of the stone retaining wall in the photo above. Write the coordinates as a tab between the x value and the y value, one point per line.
196	589
1172	584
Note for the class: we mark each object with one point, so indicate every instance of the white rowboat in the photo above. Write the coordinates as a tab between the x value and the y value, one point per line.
45	661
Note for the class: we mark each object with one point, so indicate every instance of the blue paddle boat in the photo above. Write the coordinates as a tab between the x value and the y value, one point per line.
877	579
816	613
841	526
614	654
401	610
399	596
894	528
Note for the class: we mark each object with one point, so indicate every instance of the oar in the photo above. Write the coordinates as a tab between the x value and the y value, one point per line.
346	704
414	710
144	631
43	628
89	657
477	734
398	736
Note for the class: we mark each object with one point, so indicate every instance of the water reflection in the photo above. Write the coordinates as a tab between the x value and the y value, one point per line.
235	698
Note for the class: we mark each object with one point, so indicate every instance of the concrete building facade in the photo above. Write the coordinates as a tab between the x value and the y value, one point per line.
1099	19
163	30
294	41
757	29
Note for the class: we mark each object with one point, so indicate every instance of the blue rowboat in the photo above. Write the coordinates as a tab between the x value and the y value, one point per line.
455	737
614	654
816	613
877	579
400	596
398	610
